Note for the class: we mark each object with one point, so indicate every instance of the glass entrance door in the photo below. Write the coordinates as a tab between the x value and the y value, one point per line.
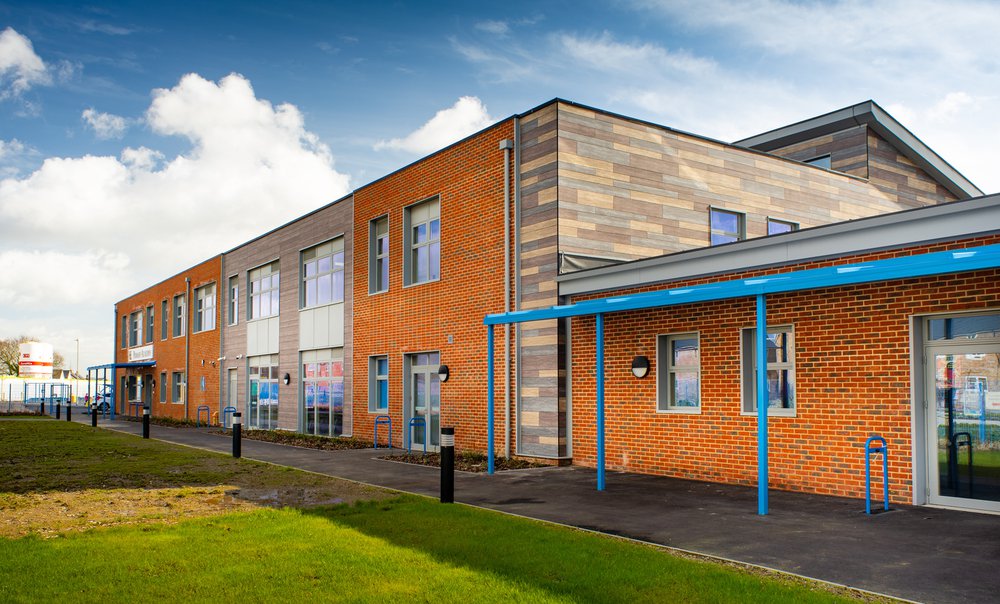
425	400
963	419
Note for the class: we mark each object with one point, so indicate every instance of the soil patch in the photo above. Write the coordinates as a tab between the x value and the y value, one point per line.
283	437
466	461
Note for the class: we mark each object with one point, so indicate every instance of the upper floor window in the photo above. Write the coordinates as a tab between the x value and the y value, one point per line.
204	308
323	274
727	226
422	239
264	291
164	319
135	329
780	346
124	332
378	255
823	161
678	373
234	299
150	323
179	329
775	226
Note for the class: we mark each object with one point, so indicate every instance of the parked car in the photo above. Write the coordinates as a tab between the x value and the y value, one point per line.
103	399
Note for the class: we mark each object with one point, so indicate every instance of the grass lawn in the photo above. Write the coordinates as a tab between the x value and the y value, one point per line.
380	549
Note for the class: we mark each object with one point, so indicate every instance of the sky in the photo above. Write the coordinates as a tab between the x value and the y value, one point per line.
139	138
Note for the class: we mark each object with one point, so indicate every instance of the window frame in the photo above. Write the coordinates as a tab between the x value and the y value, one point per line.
740	233
793	226
305	278
665	368
410	264
201	309
150	325
274	275
124	332
376	260
164	319
163	387
374	379
828	165
748	371
234	299
135	321
177	383
179	322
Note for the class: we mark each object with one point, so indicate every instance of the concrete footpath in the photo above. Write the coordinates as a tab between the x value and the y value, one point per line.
917	553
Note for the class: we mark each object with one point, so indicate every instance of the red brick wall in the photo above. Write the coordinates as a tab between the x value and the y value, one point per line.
852	365
169	353
468	178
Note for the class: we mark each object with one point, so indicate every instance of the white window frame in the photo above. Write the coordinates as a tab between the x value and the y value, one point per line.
748	371
740	233
234	299
135	329
150	324
177	387
665	369
179	320
314	255
378	263
432	208
256	275
204	308
164	319
373	382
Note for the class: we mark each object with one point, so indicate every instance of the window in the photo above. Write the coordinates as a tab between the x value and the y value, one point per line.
823	161
234	299
163	387
179	315
776	227
424	397
378	384
780	371
150	323
177	387
678	366
378	255
262	403
422	237
323	274
264	291
164	319
964	328
323	391
135	331
204	308
727	226
124	332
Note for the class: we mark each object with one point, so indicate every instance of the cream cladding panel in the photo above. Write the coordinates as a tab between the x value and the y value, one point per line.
321	327
262	336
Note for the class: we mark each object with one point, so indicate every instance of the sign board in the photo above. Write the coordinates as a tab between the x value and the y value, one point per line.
140	353
993	401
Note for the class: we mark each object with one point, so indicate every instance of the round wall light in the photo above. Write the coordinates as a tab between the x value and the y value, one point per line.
443	373
640	366
287	379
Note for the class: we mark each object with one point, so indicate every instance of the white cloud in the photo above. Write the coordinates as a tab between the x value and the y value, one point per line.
79	233
497	28
10	149
605	53
20	67
105	125
466	116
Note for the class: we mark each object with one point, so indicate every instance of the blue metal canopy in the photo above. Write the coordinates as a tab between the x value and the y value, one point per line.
904	267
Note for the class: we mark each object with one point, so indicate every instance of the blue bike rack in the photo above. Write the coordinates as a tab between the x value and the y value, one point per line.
382	420
137	407
409	433
226	416
869	451
208	416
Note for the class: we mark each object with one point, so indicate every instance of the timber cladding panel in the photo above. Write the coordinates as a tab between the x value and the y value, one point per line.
285	245
169	353
446	315
630	190
852	380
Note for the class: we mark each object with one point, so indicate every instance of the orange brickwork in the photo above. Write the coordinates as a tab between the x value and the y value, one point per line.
852	379
169	353
443	316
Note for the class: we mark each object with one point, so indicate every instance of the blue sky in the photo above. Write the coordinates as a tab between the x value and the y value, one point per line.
125	115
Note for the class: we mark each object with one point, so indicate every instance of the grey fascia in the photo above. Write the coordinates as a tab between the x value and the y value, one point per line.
886	126
960	219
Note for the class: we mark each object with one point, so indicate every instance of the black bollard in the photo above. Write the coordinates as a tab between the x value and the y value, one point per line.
237	435
41	407
93	415
69	412
145	422
447	465
58	410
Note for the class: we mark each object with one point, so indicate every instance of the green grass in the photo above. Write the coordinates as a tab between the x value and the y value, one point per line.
400	550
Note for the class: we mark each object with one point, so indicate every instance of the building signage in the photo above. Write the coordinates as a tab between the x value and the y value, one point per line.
140	353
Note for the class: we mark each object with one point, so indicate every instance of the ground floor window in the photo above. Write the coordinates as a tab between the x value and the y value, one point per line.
677	374
424	389
163	387
323	391
780	370
262	404
378	384
177	387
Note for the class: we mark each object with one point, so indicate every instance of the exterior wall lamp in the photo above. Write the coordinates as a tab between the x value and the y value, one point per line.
287	379
443	373
640	366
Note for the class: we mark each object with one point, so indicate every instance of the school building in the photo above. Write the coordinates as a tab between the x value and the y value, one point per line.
620	270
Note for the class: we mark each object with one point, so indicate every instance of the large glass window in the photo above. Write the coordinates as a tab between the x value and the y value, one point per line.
264	291
422	233
678	369
262	403
234	300
135	329
179	328
204	308
776	227
780	370
323	274
164	319
378	254
150	323
323	391
378	384
177	387
727	226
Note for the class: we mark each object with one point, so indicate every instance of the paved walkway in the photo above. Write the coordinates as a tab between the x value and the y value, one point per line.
917	553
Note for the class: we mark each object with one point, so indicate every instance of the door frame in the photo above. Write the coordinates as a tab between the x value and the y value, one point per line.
408	385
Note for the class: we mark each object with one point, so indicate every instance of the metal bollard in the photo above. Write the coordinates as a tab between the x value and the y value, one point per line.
237	434
93	415
58	410
41	407
69	412
447	465
145	422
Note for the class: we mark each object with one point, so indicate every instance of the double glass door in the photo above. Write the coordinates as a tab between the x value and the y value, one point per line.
424	400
